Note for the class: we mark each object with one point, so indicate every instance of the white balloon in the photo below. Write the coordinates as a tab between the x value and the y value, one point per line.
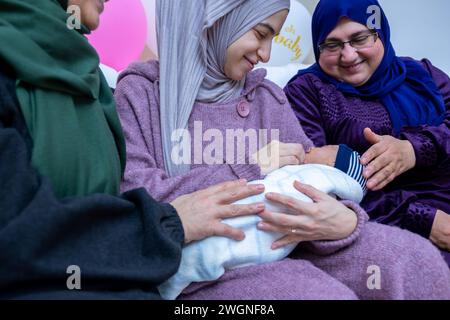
294	43
150	8
281	75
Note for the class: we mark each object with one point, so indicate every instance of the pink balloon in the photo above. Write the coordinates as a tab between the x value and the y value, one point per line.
122	34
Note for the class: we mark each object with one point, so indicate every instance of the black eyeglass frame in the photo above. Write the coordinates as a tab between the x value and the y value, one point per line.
342	43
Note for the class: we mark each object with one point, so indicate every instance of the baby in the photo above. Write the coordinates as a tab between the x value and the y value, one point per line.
200	260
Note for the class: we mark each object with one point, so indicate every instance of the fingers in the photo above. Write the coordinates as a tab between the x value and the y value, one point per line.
288	160
238	210
373	152
278	154
296	206
222	187
314	194
224	230
381	179
371	136
293	149
270	227
284	222
237	192
288	238
376	165
284	241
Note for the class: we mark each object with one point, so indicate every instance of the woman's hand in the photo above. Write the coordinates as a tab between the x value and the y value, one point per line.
202	212
323	155
277	154
325	219
440	231
386	159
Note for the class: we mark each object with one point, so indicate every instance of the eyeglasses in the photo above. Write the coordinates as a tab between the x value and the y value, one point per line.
362	41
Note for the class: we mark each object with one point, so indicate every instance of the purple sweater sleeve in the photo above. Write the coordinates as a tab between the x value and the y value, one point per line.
291	130
136	108
432	143
303	99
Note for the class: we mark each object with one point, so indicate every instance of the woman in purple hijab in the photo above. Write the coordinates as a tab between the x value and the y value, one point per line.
394	111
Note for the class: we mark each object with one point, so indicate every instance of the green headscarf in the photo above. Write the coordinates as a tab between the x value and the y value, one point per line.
67	105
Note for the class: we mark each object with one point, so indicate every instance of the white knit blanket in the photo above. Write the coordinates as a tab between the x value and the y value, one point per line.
207	260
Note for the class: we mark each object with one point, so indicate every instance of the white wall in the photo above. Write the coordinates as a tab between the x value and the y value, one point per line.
419	28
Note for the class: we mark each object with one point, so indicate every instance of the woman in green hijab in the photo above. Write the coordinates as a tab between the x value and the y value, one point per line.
62	156
64	98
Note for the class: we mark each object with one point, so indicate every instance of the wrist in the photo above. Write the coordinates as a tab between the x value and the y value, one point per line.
350	222
411	154
177	205
325	155
440	231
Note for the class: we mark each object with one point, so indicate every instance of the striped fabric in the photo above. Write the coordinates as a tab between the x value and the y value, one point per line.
355	169
349	162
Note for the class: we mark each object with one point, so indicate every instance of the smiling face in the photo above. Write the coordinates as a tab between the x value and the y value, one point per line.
352	66
253	47
90	11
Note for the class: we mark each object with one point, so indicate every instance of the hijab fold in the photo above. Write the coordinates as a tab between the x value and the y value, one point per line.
404	87
64	98
193	37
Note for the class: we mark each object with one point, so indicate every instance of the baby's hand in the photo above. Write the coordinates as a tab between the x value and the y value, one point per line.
323	155
277	155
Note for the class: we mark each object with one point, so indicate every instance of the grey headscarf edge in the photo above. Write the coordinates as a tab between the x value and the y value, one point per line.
183	25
